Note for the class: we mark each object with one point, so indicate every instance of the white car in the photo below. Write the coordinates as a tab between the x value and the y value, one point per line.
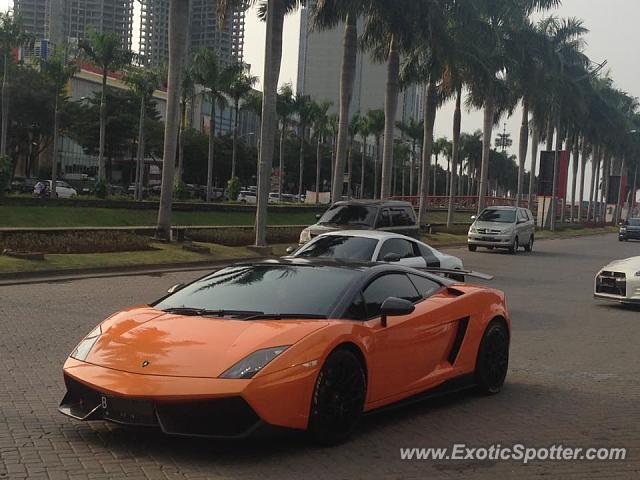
63	189
619	281
377	246
247	196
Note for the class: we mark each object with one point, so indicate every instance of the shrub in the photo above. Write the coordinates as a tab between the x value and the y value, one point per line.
233	188
100	241
6	168
100	189
180	191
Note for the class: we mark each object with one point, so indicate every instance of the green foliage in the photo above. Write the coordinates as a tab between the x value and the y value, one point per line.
6	169
233	188
100	189
180	191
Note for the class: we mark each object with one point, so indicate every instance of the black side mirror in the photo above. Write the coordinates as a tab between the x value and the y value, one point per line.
176	287
473	217
290	250
395	307
318	216
391	257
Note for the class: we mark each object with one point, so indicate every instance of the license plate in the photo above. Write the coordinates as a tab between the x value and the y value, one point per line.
127	411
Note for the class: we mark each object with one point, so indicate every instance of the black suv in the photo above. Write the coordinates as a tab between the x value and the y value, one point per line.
388	215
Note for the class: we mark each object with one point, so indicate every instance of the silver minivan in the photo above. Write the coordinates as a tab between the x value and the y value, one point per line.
502	227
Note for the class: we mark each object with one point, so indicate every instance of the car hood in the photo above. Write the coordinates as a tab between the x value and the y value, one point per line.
187	346
320	229
493	225
627	265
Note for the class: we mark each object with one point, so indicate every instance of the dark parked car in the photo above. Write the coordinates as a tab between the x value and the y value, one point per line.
387	215
629	230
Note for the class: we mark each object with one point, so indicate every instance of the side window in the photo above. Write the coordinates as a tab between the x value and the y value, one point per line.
392	285
384	219
404	248
357	310
426	287
400	217
522	216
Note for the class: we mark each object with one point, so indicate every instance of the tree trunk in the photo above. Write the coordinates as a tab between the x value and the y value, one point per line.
606	171
583	166
103	126
301	166
183	121
522	151
281	160
390	108
5	107
234	155
376	162
273	59
489	112
363	165
412	167
178	23
430	108
554	184
54	160
620	203
350	168
211	152
632	203
576	160
534	160
318	155
455	153
140	153
350	49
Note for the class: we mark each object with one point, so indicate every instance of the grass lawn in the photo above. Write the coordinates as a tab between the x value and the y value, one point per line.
30	216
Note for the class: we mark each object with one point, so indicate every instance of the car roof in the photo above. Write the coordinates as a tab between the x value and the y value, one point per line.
374	203
502	207
375	234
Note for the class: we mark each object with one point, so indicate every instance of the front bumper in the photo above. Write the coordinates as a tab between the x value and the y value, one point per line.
617	287
490	240
184	406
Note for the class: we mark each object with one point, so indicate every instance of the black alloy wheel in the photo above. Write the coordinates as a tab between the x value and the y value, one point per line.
513	249
338	398
493	359
529	246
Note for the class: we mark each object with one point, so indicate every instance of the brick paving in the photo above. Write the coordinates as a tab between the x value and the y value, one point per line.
573	380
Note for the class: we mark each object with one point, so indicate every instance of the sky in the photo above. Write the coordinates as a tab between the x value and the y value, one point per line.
612	37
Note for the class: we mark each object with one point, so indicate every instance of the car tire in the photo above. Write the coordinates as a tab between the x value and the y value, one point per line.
493	359
513	249
529	246
338	399
472	248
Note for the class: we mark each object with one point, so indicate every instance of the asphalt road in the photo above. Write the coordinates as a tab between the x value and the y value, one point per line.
573	380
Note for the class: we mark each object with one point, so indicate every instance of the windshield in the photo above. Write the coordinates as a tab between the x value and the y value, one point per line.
341	247
349	215
281	289
634	222
497	215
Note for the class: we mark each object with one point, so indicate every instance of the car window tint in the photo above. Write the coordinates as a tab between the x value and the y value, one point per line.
357	310
392	285
384	220
341	247
400	217
425	250
426	287
349	214
497	215
522	215
402	247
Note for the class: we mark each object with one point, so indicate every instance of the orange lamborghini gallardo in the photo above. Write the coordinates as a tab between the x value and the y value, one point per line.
302	344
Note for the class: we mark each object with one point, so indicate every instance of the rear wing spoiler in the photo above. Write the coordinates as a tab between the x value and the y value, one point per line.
457	273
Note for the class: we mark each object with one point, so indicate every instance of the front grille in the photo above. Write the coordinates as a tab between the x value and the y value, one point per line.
223	417
612	283
488	231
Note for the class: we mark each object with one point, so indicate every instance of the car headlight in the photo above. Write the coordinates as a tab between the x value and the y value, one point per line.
305	236
473	230
637	274
623	229
84	347
249	366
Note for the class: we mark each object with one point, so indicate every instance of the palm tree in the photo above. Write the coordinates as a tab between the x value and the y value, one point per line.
143	82
327	14
354	126
215	80
303	107
364	130
285	107
376	120
58	71
12	35
320	130
186	97
105	51
178	24
238	89
415	131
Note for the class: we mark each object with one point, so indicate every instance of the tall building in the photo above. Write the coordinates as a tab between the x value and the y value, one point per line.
60	21
204	31
320	64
